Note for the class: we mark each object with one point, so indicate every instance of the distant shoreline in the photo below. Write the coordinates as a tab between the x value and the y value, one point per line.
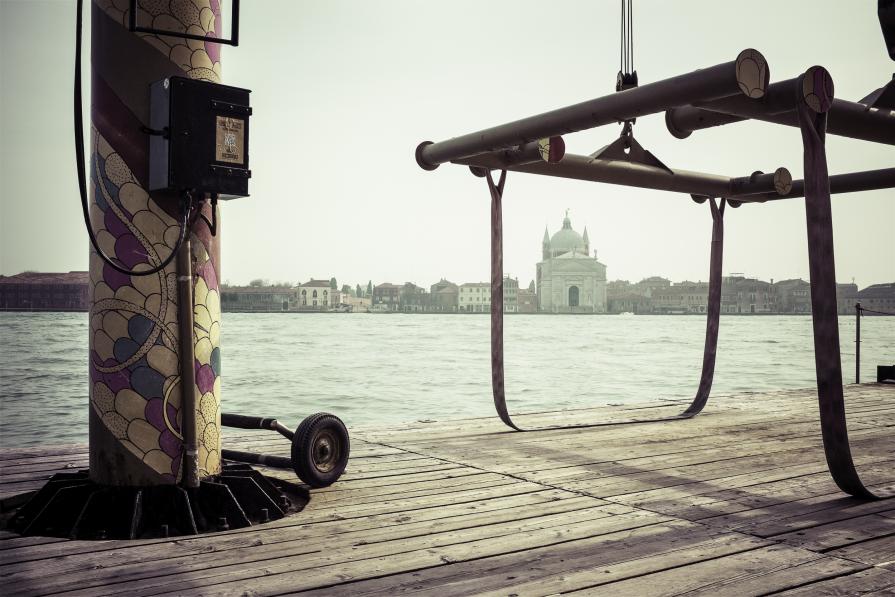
464	313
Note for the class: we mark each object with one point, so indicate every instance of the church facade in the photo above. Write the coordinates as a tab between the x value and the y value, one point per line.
569	279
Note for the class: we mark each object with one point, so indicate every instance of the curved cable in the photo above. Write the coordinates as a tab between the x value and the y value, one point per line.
186	201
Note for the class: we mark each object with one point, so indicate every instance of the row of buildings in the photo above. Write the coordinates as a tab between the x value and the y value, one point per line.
569	279
31	291
740	294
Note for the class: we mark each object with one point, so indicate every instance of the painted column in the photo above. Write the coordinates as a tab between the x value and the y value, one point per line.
135	393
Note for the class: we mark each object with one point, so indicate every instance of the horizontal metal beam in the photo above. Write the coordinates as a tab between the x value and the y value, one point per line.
632	174
869	180
748	75
846	119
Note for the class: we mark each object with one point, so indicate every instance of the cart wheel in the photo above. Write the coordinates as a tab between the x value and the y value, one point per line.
320	450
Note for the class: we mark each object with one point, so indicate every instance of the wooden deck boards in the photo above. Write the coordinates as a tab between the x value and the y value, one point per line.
735	502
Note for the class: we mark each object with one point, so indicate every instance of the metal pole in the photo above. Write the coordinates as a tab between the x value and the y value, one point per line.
638	175
135	364
846	119
187	360
857	342
747	75
869	180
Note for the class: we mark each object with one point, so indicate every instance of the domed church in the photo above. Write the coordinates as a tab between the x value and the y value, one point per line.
569	279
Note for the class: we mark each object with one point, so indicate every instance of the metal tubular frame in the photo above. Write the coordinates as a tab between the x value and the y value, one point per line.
747	74
869	180
803	102
846	119
632	174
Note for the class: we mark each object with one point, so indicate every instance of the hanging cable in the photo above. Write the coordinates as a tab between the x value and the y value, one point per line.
627	76
186	201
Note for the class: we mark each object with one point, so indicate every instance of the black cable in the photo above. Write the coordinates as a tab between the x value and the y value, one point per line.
621	40
631	31
186	201
862	310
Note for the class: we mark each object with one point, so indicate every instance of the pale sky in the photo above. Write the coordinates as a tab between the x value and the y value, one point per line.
343	91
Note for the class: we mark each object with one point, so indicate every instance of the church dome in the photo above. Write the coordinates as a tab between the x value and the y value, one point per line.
567	240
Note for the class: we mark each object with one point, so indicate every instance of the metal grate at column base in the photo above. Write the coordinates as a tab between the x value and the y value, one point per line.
72	506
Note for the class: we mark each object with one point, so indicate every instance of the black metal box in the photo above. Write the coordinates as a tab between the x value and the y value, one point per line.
205	145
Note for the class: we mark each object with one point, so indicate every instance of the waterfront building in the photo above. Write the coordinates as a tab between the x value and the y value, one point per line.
475	297
846	297
740	294
357	304
793	296
34	291
569	280
683	297
510	295
878	297
444	297
624	297
264	299
386	297
413	299
314	294
649	286
628	302
527	299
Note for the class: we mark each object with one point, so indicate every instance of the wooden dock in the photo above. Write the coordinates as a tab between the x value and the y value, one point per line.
735	502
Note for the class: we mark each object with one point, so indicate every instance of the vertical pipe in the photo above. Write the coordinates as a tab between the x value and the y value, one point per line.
137	417
187	358
857	342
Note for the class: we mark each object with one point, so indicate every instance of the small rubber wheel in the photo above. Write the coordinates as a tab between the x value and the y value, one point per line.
320	450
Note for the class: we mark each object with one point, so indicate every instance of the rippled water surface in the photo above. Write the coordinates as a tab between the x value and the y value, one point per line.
371	369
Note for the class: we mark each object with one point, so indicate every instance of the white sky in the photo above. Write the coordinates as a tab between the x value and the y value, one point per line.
343	91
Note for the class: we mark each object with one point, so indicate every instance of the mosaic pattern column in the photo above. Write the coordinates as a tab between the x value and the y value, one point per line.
135	393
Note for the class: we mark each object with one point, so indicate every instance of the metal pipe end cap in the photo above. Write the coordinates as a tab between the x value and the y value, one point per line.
752	73
817	89
421	162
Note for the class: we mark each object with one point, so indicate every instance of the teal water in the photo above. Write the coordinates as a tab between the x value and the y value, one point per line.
380	369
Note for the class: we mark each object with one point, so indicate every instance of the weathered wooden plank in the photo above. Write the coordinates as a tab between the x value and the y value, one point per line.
460	507
800	514
202	575
866	582
878	552
33	549
839	533
564	567
332	536
757	572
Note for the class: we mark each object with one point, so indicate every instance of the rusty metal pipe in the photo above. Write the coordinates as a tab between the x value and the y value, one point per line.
782	96
636	175
846	119
747	75
852	182
551	151
187	360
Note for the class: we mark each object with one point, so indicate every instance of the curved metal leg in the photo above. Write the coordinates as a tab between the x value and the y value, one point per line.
821	266
711	329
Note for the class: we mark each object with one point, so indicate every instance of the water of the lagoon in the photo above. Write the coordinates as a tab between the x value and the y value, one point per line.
380	369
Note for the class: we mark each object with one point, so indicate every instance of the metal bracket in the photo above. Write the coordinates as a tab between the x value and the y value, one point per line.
627	149
234	28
